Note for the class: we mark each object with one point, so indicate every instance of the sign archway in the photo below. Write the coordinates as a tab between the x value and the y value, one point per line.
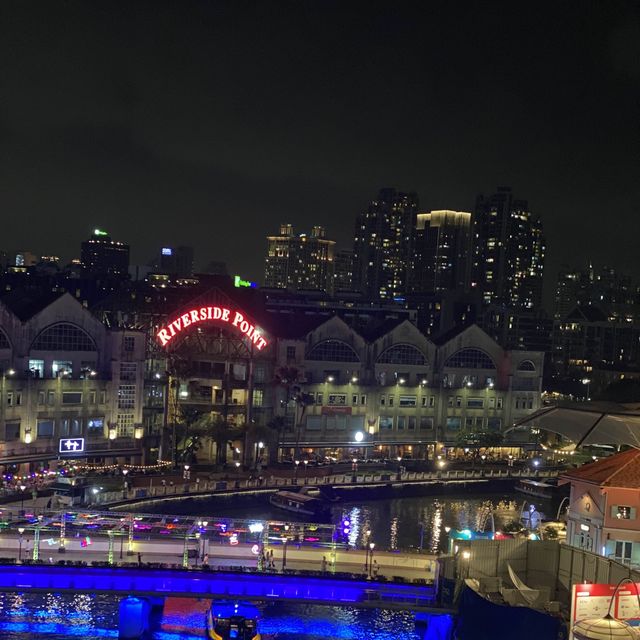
210	313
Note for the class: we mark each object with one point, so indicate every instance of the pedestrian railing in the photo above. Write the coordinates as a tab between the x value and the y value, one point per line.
272	483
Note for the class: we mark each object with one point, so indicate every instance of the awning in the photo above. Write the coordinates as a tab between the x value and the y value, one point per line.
603	423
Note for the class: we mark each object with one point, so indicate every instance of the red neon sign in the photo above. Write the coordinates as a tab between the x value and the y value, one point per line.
203	314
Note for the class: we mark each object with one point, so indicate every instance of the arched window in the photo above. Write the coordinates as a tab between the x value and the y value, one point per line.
526	365
333	351
402	354
470	359
63	337
4	341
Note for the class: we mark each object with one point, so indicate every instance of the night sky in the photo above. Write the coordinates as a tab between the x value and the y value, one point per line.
209	123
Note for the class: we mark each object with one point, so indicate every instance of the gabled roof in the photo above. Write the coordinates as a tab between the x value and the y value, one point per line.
620	470
443	338
25	304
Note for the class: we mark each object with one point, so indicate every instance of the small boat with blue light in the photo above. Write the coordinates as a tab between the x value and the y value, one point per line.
229	620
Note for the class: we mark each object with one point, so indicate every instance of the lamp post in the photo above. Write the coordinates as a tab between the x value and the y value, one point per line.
285	539
36	539
371	547
124	483
22	489
295	477
306	462
20	531
587	382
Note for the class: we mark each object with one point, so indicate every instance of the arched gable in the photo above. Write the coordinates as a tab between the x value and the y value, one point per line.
63	336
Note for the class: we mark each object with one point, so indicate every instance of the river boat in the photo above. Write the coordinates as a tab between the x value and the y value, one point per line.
229	620
537	489
301	502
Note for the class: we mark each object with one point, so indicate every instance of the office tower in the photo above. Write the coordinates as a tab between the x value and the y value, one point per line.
102	256
176	261
509	249
299	262
383	245
343	271
441	251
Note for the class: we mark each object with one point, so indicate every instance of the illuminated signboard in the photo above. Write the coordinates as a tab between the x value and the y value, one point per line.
99	232
166	251
239	282
71	445
203	314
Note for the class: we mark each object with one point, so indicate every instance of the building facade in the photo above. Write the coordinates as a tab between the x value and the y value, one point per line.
441	252
508	251
65	375
102	256
299	262
604	507
397	393
383	245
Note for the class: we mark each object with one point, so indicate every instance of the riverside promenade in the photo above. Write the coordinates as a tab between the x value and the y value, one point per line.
156	489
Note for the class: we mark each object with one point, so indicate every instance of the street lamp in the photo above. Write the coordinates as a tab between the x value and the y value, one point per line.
285	539
295	477
306	462
186	474
587	382
370	551
22	488
124	483
20	531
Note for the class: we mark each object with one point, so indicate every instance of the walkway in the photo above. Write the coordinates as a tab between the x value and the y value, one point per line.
271	484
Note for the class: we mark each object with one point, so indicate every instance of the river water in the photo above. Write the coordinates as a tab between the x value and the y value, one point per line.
397	523
400	523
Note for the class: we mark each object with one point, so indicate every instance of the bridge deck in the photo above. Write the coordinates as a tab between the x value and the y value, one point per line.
260	587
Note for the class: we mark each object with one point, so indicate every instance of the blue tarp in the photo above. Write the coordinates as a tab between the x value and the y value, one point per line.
480	619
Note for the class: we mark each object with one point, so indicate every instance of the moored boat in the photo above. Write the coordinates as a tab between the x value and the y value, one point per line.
228	620
300	502
536	488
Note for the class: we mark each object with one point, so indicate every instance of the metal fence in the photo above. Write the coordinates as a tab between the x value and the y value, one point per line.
538	563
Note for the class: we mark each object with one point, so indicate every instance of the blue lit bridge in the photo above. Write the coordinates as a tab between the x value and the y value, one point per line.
296	589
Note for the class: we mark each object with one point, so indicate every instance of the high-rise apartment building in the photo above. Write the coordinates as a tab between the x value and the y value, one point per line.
176	261
441	251
299	262
383	245
100	255
508	251
343	271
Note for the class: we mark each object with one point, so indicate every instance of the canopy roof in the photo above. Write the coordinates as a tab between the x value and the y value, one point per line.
590	422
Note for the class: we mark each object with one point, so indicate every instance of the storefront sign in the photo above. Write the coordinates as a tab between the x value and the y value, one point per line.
204	314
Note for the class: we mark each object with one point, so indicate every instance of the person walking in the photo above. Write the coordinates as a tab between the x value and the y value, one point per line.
323	564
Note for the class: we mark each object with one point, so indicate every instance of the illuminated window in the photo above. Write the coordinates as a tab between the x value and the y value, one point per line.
125	425
63	337
402	354
333	351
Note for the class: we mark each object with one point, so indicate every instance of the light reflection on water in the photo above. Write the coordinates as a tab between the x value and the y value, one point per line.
420	522
51	616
